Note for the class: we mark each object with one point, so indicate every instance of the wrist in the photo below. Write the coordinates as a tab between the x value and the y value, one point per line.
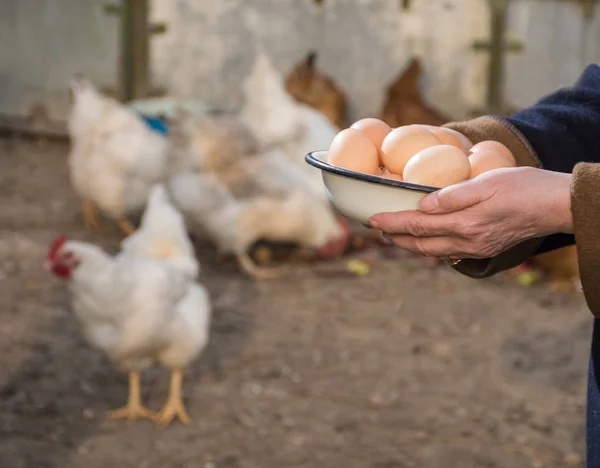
562	216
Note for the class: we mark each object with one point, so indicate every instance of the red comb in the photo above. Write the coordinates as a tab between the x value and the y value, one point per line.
343	224
56	246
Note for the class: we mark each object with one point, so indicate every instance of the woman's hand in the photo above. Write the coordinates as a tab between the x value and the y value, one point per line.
483	217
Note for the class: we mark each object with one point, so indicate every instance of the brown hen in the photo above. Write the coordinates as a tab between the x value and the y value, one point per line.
307	85
404	104
560	266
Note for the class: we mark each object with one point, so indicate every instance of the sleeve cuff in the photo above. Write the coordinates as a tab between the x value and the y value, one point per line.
585	204
498	129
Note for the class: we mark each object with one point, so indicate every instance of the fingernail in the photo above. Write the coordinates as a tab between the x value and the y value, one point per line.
429	203
373	223
386	239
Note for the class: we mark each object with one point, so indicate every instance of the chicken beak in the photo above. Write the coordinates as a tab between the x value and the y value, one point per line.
48	265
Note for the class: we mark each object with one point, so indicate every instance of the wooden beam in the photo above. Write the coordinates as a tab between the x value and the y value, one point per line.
135	49
495	78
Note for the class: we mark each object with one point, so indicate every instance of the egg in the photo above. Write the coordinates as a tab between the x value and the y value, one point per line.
402	144
438	166
449	136
383	172
352	150
486	160
494	146
376	130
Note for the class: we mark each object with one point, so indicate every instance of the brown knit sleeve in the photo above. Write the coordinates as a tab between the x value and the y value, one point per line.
585	204
498	129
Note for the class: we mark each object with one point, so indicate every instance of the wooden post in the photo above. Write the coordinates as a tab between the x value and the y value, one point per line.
495	78
496	48
135	50
134	64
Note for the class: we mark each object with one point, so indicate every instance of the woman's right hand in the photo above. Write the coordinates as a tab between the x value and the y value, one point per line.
483	217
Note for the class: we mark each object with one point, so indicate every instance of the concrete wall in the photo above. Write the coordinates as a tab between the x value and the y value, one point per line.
559	44
44	42
363	44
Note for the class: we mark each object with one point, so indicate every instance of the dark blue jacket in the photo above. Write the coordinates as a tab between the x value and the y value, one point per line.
564	129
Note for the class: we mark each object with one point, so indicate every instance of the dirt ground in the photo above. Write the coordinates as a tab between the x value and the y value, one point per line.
406	367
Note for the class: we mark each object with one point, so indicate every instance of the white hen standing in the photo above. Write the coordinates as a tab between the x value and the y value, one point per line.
143	305
115	159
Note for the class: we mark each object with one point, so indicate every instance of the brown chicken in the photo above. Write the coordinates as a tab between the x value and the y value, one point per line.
560	266
404	103
307	85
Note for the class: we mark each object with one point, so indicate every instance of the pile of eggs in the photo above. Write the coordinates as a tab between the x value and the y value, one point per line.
417	154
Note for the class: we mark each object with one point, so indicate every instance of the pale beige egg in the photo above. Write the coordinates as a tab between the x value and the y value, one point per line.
438	166
447	138
351	149
493	146
486	160
402	144
383	172
450	137
376	130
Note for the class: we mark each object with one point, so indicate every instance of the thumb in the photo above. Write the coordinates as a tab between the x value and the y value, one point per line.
454	198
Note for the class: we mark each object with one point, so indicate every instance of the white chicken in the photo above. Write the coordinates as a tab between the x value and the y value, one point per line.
142	306
277	120
237	195
115	158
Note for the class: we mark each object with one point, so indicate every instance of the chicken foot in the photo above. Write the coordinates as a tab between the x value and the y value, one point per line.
134	409
256	272
90	215
126	226
174	405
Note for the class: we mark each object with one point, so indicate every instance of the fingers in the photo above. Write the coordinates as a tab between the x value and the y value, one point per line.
432	246
454	198
415	223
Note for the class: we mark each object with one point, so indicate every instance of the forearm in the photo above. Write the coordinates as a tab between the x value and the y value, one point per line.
586	221
561	133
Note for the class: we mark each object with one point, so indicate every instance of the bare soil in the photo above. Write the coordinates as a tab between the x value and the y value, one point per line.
405	367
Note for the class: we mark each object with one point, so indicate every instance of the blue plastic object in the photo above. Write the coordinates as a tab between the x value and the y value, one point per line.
156	124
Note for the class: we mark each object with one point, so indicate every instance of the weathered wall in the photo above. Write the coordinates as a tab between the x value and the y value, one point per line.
559	43
363	44
44	42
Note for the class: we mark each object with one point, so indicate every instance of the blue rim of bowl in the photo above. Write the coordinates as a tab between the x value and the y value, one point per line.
311	159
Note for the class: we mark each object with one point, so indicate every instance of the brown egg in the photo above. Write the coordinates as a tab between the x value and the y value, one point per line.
442	133
438	166
376	130
494	146
486	160
447	138
352	150
402	144
383	172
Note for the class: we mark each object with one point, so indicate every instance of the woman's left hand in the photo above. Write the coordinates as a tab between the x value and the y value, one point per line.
483	217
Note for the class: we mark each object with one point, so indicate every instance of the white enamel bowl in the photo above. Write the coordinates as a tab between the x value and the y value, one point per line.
359	196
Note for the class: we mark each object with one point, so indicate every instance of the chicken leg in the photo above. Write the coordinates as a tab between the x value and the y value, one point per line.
256	272
174	405
126	226
561	286
134	409
90	216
